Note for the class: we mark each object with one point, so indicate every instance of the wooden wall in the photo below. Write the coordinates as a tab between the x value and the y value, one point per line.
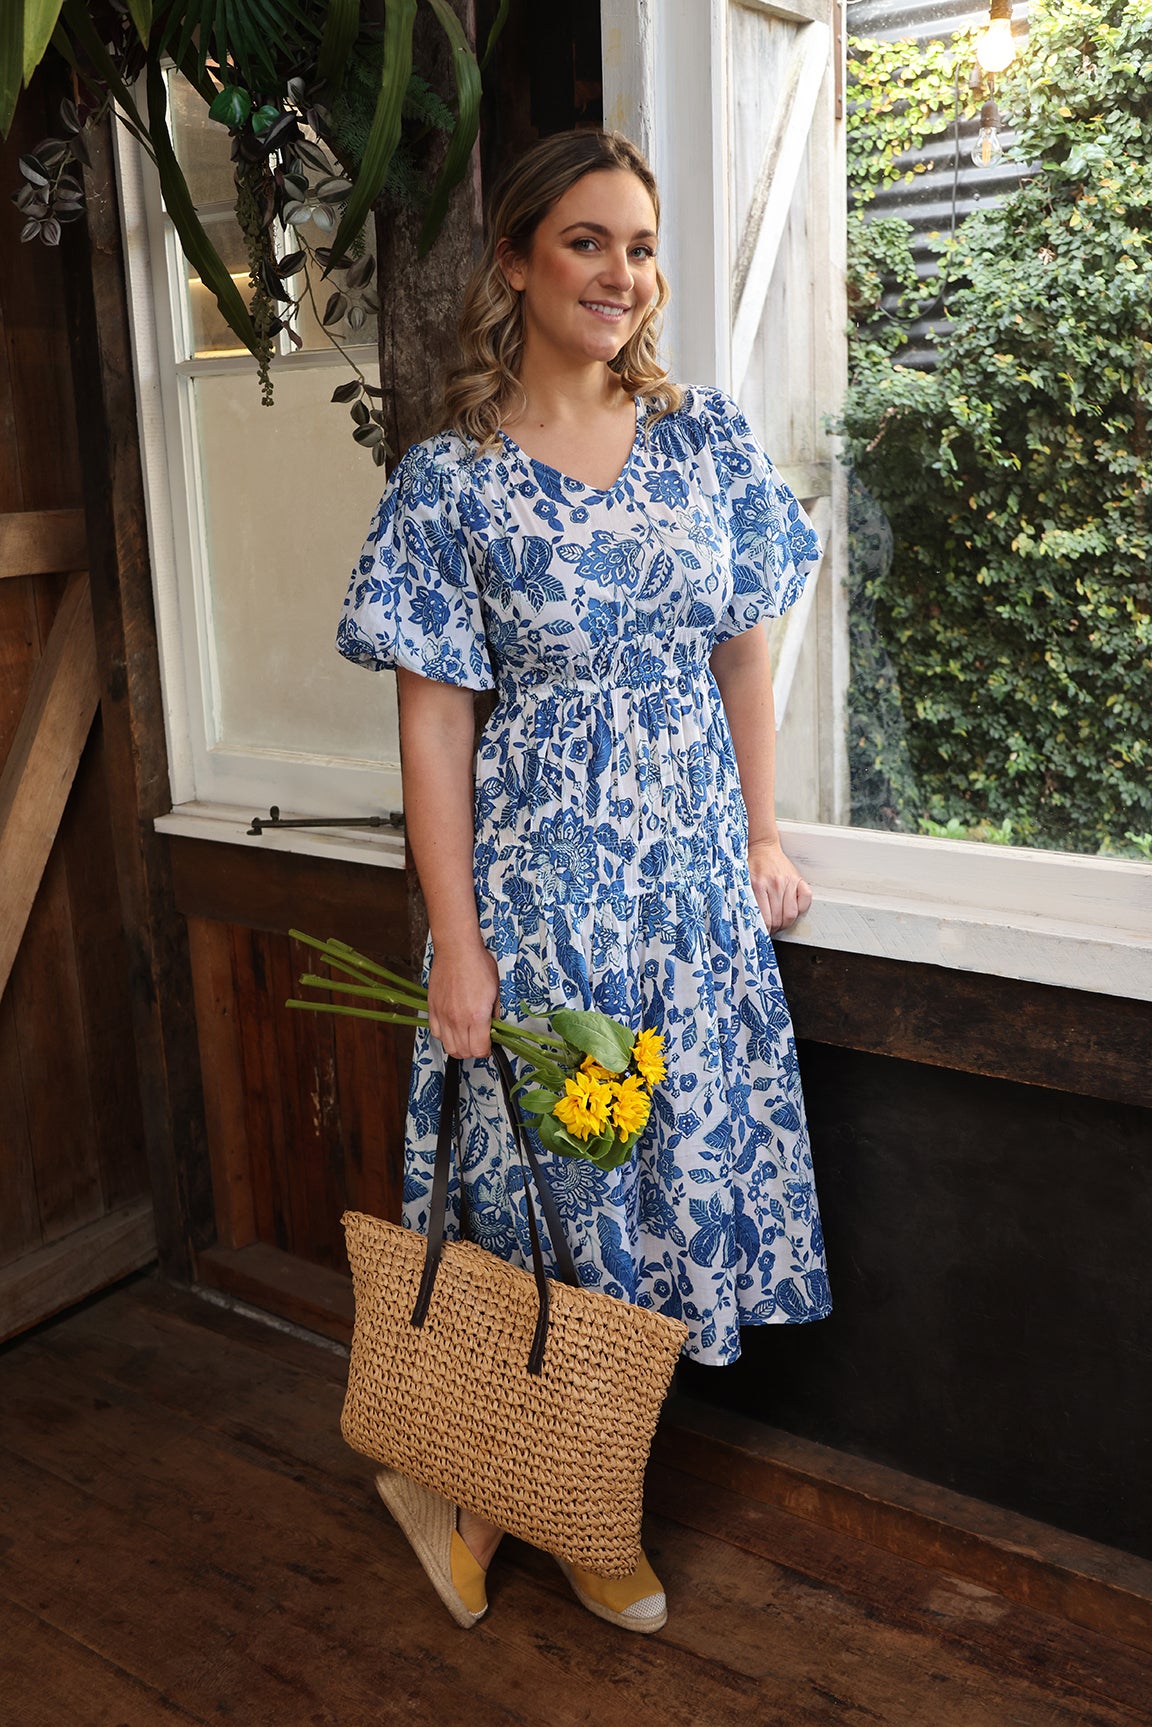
983	1154
305	1111
75	1210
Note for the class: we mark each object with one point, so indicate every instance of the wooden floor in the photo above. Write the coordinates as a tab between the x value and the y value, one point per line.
184	1537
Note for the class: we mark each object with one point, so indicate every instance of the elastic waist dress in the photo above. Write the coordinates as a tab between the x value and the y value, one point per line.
610	862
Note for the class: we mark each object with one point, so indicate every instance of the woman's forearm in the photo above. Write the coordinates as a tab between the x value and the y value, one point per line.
437	737
743	672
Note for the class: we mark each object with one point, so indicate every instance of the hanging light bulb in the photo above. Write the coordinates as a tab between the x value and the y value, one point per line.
995	48
987	151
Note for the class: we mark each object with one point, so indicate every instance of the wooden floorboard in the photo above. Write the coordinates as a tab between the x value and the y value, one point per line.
185	1537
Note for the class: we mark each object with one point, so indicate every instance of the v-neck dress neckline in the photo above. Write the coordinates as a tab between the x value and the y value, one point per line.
528	463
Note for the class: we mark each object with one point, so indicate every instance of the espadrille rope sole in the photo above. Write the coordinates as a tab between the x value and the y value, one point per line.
429	1522
650	1614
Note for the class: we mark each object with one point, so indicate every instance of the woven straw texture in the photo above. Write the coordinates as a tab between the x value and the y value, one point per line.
557	1459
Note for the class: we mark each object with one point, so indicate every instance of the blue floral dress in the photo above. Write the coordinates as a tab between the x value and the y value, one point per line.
611	865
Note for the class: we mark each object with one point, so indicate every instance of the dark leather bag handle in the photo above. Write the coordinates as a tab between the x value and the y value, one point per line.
438	1206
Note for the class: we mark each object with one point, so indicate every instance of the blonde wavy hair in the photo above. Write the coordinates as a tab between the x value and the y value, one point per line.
484	389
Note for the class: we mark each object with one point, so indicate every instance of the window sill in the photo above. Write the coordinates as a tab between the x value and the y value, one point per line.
927	902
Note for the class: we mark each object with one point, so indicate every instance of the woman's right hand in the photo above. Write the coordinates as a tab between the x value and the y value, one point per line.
463	998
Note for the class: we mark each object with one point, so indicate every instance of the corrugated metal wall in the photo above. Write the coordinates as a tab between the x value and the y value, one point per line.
927	201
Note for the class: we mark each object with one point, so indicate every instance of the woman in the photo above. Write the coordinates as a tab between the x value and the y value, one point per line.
599	545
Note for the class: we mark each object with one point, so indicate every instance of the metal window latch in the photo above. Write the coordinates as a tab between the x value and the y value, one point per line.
394	819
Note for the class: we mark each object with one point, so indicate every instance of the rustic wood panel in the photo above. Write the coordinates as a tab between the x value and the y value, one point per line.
222	1061
42	761
1066	1039
1026	1561
278	891
19	1214
41	542
41	1283
70	1140
133	712
305	1111
85	839
45	989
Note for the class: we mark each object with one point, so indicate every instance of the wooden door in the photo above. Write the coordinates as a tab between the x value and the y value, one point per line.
739	105
75	1211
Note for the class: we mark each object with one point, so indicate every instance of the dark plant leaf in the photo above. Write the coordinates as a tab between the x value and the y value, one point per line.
379	454
384	134
309	154
33	170
69	117
31	200
31	229
231	107
360	414
347	392
498	24
357	317
335	309
69	212
362	271
80	149
140	12
369	436
296	341
266	117
195	242
467	75
291	264
340	30
373	390
39	21
50	231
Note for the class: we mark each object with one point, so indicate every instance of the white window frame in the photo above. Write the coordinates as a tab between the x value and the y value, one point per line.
205	773
1052	918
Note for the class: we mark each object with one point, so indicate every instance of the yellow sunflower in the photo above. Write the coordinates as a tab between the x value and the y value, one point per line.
647	1055
631	1105
584	1108
592	1067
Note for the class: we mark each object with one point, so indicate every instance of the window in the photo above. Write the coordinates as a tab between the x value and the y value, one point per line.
754	212
257	515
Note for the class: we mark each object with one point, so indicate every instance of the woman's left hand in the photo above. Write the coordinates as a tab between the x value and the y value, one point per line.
781	891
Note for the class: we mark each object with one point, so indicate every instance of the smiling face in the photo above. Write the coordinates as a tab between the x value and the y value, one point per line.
590	275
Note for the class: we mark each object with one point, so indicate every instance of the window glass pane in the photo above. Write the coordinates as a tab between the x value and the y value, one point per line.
207	329
203	147
287	500
1000	556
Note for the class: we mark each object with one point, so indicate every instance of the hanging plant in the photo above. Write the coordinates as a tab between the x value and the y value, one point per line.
325	110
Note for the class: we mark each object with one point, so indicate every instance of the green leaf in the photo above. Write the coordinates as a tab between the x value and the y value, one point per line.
594	1034
75	14
140	12
467	75
340	30
540	1102
11	62
231	107
494	33
198	249
40	18
384	134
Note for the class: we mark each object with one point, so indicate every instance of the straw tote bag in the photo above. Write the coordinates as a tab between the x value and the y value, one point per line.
529	1401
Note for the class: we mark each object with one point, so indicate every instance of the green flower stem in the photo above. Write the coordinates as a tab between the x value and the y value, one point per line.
356	1012
393	997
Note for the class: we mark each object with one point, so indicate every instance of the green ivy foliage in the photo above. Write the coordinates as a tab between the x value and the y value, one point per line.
1016	476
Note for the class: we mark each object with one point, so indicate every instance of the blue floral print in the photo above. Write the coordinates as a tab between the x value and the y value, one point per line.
610	864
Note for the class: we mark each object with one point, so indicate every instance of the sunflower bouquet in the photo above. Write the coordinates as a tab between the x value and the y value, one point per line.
587	1088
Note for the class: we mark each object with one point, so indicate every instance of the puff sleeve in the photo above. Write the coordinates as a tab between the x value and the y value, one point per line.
412	600
774	545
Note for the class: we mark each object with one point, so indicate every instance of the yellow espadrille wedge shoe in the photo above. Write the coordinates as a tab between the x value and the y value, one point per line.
429	1522
636	1603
